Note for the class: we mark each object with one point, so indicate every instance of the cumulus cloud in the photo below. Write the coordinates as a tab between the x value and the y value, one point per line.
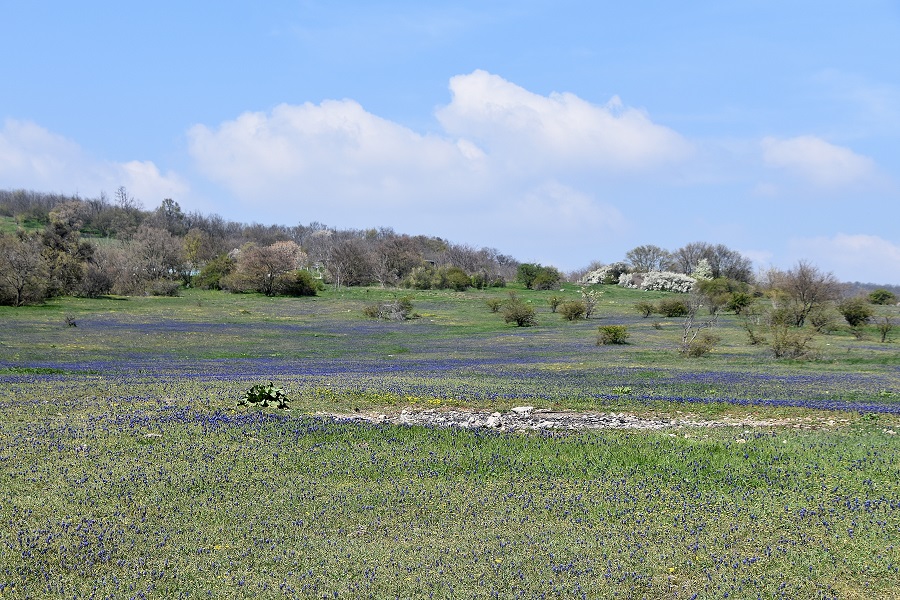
859	257
553	207
334	151
814	159
502	150
561	129
32	157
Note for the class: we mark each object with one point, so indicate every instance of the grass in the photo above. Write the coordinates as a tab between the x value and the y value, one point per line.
126	469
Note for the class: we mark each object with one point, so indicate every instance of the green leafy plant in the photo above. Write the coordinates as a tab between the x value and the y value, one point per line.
612	334
672	307
554	301
515	310
261	395
573	310
856	311
494	304
645	308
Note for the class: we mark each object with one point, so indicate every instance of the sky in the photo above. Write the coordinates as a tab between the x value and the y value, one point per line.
561	132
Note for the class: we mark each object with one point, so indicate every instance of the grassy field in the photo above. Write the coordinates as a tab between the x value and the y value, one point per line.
127	470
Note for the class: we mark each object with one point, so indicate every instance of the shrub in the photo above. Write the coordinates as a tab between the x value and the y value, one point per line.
210	277
573	310
663	281
752	325
885	325
645	308
788	342
426	277
882	296
95	283
700	345
395	310
672	307
457	279
518	312
554	302
419	278
856	311
494	304
164	287
590	299
612	334
739	301
297	283
607	274
538	277
823	318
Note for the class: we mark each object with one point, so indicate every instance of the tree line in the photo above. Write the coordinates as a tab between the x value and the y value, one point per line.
66	245
56	244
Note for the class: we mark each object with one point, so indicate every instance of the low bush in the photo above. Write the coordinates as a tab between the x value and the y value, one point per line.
856	311
554	301
515	310
823	318
672	307
573	310
701	345
395	310
612	334
645	308
494	304
164	287
297	283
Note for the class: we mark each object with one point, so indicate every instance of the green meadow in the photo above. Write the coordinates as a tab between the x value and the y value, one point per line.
128	470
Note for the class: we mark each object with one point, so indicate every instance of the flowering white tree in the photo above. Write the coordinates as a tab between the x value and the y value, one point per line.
663	281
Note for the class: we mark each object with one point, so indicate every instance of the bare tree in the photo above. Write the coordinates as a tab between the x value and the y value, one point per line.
157	252
729	263
348	263
685	259
23	271
805	287
648	258
259	267
393	258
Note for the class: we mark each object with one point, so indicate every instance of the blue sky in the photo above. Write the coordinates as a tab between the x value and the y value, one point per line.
560	132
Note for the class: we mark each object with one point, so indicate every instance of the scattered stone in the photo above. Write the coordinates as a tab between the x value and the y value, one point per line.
525	419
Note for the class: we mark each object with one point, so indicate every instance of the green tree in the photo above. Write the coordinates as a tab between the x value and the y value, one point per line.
882	296
856	311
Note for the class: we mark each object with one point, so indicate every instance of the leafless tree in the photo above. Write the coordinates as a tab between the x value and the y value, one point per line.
23	271
648	258
805	287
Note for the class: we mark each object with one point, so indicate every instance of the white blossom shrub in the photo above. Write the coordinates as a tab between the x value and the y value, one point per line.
661	281
702	270
606	274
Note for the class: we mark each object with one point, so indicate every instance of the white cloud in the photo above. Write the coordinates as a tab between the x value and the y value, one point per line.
336	152
859	257
32	157
503	150
822	163
558	131
555	207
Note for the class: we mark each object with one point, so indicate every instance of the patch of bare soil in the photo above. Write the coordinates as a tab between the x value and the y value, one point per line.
527	418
